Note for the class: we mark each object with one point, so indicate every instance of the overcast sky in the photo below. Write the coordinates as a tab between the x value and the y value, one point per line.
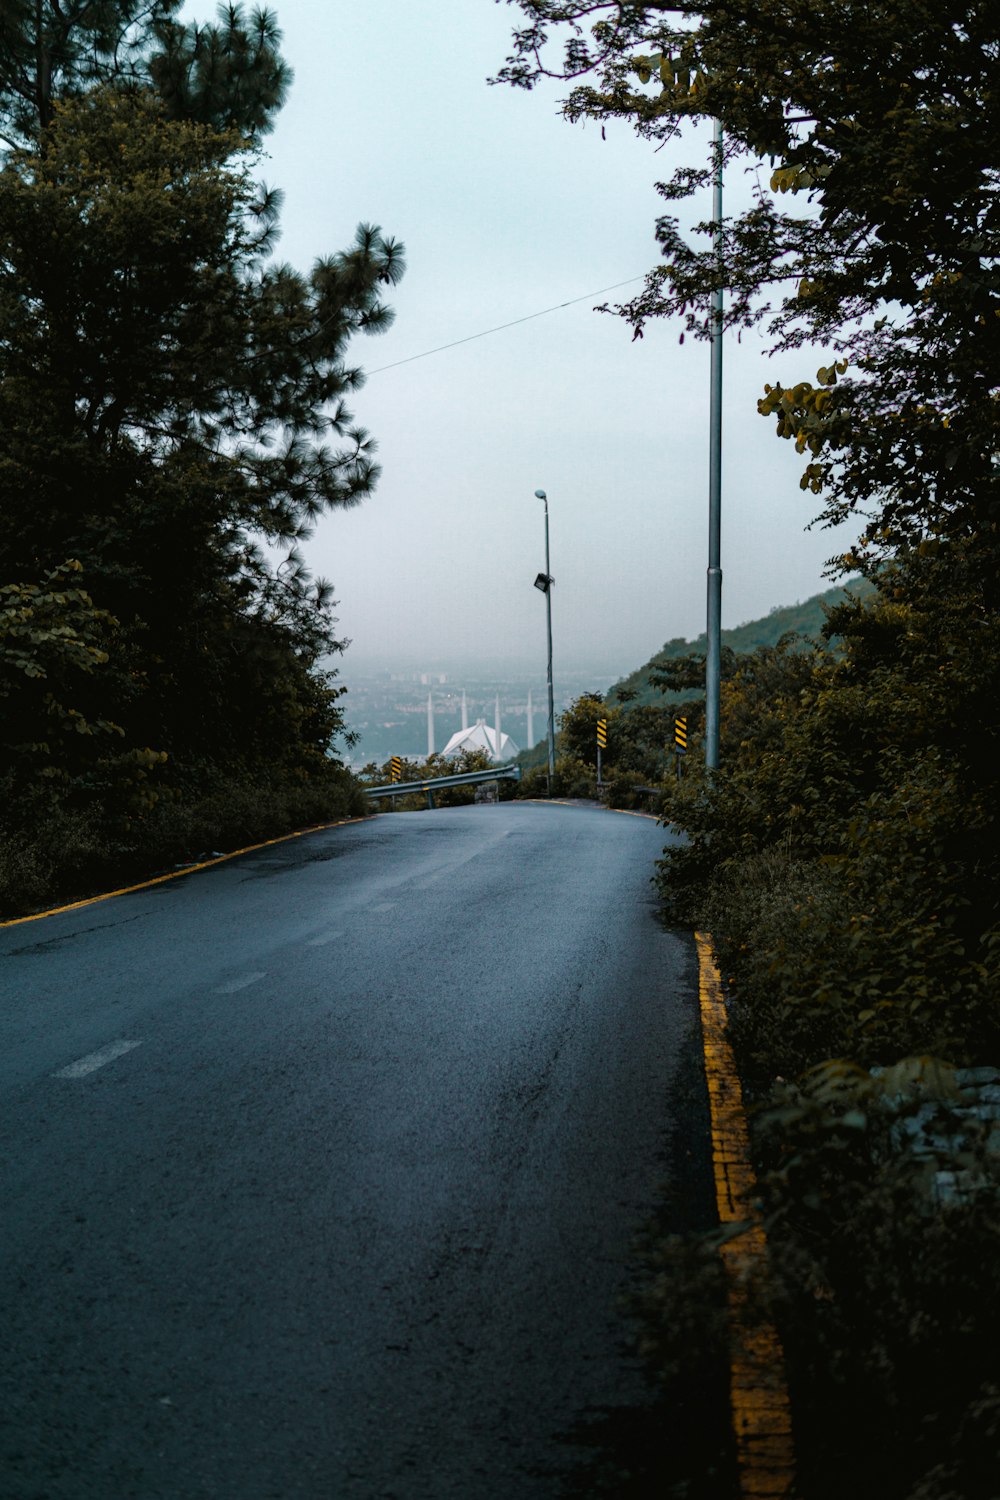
505	209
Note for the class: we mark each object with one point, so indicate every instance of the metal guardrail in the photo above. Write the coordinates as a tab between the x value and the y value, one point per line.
438	783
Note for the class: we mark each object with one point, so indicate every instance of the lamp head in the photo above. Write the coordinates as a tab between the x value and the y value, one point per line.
540	495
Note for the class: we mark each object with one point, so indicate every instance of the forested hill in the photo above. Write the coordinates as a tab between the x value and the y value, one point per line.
806	619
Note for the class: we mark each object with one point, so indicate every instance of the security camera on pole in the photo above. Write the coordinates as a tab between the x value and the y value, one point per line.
544	581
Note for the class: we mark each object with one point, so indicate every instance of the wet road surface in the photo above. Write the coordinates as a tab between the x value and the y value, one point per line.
321	1167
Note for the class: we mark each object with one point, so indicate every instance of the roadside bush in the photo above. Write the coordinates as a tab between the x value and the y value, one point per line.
69	852
621	791
534	782
846	860
60	856
573	778
845	856
891	1318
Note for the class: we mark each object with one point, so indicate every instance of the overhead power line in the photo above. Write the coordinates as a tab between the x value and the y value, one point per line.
470	338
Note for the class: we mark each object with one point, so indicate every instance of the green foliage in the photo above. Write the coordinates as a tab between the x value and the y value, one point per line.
642	750
639	737
871	234
171	402
534	781
53	755
844	856
49	634
578	727
573	778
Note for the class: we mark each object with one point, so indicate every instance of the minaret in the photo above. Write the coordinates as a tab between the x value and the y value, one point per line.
430	725
531	723
496	721
465	712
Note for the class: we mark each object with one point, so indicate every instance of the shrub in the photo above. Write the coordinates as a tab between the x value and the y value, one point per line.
890	1311
845	858
67	852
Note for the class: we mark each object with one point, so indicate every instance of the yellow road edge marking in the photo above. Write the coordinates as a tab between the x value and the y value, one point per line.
758	1390
142	885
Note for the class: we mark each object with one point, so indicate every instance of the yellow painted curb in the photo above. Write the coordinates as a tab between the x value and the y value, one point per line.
758	1391
205	864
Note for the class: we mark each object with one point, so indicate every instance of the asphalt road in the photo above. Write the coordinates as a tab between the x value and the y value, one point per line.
321	1167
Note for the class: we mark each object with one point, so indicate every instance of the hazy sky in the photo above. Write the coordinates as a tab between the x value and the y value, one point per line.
505	209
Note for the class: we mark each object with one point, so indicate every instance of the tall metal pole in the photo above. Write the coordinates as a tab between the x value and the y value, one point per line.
714	622
541	495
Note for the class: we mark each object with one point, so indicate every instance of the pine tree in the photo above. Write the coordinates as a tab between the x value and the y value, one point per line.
229	74
173	400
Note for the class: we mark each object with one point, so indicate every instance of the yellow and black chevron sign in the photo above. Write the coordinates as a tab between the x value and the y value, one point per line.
681	736
602	733
395	768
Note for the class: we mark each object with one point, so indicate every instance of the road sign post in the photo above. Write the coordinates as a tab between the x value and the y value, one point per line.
680	741
602	744
395	771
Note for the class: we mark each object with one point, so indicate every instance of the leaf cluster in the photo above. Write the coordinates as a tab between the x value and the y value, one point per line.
871	133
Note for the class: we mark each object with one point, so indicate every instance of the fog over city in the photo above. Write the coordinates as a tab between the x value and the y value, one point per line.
506	210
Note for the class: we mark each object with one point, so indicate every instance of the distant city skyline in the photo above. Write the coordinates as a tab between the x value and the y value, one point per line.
390	711
454	671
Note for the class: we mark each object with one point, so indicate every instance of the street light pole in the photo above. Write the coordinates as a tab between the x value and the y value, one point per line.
541	495
714	621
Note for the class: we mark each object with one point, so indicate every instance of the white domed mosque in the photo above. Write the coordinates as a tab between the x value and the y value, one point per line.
479	736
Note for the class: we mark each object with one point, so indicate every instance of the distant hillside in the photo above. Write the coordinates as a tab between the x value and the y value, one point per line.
806	619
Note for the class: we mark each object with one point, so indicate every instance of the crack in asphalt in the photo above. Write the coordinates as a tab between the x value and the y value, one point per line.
70	937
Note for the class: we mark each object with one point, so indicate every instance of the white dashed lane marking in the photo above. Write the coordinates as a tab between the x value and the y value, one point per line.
323	939
95	1060
235	985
